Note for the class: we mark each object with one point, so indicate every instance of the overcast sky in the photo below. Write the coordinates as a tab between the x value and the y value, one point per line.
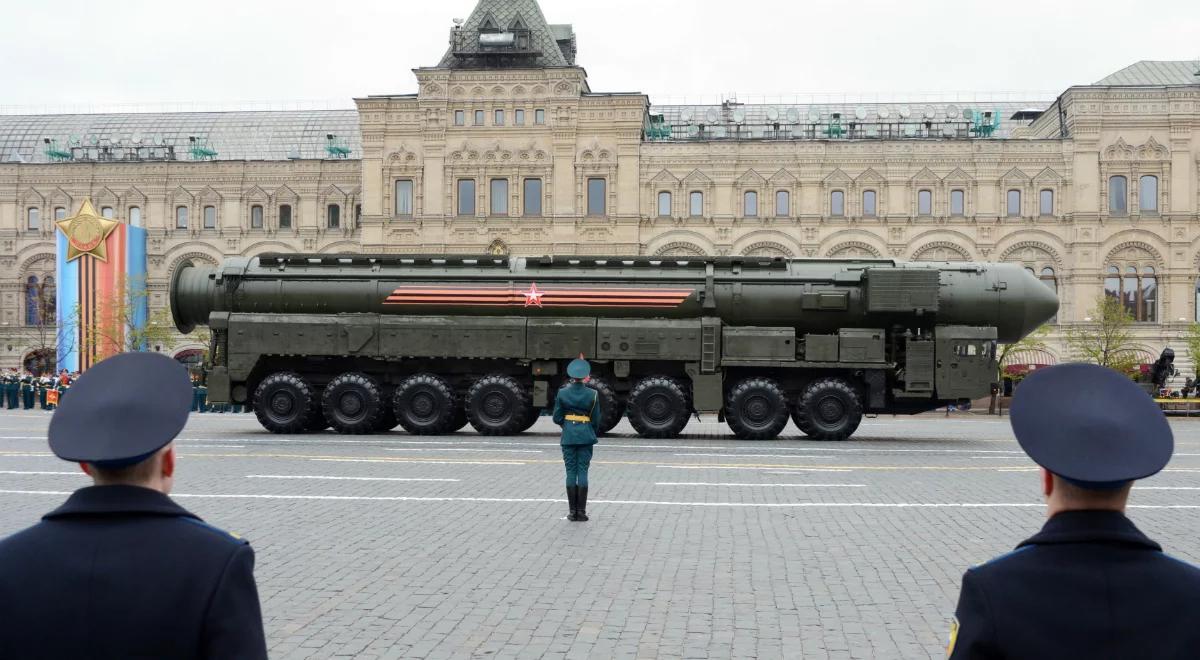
57	54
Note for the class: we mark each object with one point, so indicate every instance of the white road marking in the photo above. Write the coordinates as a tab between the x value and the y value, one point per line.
22	437
705	483
25	455
1019	470
331	478
551	500
751	455
77	473
803	470
774	470
504	451
1141	488
414	462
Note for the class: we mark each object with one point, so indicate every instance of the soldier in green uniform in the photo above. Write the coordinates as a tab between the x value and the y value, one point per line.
199	396
577	411
27	393
6	385
42	385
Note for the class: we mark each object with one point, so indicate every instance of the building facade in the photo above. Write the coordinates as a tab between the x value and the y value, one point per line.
506	149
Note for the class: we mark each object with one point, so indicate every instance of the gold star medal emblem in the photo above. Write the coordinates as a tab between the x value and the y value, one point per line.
87	232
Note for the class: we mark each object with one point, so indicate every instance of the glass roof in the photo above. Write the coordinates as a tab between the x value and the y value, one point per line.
258	135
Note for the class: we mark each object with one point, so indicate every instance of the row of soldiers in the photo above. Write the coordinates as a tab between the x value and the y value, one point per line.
22	389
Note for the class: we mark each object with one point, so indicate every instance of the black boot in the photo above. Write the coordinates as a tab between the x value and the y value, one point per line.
581	503
572	501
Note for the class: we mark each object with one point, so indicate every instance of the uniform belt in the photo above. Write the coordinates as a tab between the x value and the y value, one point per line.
578	418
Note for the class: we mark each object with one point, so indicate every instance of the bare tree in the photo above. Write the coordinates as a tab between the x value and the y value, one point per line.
120	330
1107	340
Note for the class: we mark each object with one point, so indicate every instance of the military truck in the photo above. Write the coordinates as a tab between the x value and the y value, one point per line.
433	343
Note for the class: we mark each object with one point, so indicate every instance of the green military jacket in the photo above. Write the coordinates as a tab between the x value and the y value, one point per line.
577	411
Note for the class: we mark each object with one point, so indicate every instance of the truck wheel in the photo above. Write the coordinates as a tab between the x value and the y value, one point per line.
658	407
387	421
282	401
314	419
531	418
425	405
610	405
353	404
498	405
828	409
756	409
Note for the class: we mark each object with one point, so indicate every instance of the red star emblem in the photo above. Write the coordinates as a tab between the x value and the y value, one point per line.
533	296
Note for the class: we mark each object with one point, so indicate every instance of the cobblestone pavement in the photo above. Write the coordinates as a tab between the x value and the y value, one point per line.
402	547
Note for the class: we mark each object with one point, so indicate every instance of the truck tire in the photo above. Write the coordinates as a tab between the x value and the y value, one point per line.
610	405
756	409
353	404
828	409
282	401
658	407
531	418
314	419
424	404
498	405
387	421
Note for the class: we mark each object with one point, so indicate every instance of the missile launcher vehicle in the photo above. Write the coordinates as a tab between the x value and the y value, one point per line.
363	343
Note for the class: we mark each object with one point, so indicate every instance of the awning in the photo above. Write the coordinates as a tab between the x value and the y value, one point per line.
1019	363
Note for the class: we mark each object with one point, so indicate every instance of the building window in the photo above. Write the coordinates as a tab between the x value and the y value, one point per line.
32	219
460	118
1014	203
1046	202
750	204
518	117
333	216
479	117
837	204
1118	195
1050	279
1148	194
106	212
499	196
870	208
499	118
1137	289
596	190
533	197
664	204
957	202
696	204
285	216
135	216
210	217
256	217
539	117
783	204
60	213
924	202
404	197
32	302
466	196
181	217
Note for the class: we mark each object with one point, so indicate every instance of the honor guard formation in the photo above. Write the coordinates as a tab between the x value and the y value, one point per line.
25	391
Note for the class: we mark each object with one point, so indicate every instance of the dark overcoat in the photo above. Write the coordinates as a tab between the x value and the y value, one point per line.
1089	585
125	572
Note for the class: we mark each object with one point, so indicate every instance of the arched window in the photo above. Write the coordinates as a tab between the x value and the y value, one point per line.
60	213
47	299
783	204
870	208
957	203
285	216
33	303
333	216
135	216
256	217
1148	194
1050	279
1137	289
181	217
1118	195
750	204
837	203
664	204
1014	203
32	219
696	204
1046	202
106	212
210	217
924	202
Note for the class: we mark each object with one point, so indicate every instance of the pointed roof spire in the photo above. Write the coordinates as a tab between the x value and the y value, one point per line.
518	36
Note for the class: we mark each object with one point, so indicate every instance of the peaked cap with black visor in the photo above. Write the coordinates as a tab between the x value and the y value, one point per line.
121	411
1090	425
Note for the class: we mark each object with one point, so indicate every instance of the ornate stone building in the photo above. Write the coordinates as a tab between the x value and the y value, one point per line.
505	148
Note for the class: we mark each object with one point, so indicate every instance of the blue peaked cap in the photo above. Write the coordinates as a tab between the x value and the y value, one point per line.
1091	426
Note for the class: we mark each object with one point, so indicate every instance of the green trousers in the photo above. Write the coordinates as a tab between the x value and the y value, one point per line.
577	459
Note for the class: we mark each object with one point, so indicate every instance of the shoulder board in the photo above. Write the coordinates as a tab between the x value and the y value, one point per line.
229	536
1004	556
